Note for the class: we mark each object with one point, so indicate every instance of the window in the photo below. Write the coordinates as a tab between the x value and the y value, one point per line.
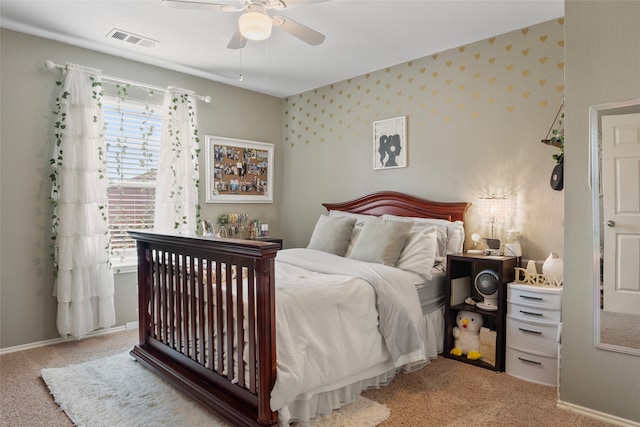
132	137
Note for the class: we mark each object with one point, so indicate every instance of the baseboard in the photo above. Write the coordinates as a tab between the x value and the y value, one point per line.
596	414
130	325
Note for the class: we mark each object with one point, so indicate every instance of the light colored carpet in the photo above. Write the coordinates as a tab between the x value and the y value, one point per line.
118	391
444	393
621	329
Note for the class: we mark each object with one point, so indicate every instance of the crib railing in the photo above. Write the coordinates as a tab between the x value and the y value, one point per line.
207	320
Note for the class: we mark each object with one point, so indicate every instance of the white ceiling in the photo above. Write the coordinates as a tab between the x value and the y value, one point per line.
361	36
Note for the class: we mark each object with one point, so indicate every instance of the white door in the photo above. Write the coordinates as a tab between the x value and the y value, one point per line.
621	209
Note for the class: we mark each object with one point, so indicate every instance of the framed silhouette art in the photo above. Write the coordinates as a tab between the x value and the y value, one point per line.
390	143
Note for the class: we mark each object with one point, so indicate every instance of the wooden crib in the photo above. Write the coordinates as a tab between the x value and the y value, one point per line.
187	340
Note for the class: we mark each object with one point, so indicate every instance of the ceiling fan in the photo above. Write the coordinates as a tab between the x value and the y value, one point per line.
255	21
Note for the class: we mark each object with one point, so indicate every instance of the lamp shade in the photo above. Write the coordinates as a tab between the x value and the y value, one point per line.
494	209
255	25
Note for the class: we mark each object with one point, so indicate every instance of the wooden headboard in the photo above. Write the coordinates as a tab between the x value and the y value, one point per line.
395	203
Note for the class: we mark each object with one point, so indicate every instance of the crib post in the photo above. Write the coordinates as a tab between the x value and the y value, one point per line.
266	323
144	289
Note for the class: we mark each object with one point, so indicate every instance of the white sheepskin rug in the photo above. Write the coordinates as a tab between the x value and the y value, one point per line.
118	391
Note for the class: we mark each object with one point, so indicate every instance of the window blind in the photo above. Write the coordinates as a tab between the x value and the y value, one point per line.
132	136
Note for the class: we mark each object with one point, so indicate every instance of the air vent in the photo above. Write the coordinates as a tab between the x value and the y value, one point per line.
131	38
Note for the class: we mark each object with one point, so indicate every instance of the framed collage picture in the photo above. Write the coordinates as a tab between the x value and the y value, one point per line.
390	143
238	171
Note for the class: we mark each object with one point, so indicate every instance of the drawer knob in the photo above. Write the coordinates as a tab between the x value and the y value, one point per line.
530	297
529	361
530	313
530	331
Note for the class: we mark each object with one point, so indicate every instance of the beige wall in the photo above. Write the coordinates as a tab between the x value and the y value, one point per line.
28	91
475	117
603	65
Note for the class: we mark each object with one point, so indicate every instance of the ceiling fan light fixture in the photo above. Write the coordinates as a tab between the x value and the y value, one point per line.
255	25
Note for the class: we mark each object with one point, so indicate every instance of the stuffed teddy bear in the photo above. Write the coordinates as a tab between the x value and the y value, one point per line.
467	335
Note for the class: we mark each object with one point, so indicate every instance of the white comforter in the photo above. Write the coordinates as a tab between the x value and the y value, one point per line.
328	327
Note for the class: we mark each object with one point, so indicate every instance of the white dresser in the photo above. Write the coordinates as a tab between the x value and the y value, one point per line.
533	332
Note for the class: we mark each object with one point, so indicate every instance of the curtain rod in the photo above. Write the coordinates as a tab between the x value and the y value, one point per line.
50	65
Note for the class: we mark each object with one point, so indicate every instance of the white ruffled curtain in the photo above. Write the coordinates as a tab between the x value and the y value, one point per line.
84	279
176	205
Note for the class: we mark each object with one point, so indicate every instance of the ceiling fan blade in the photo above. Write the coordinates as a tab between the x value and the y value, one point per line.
298	30
274	4
291	4
187	4
237	41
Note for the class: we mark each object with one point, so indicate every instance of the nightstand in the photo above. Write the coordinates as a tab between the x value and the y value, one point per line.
533	327
461	272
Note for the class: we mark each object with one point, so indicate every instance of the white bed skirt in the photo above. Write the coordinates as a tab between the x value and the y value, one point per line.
323	401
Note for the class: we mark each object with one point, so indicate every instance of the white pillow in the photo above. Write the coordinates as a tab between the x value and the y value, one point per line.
419	251
456	238
355	233
381	241
455	234
360	218
441	235
332	234
450	234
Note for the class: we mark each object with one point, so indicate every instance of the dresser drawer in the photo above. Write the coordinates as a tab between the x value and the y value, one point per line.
534	314
532	337
531	367
535	296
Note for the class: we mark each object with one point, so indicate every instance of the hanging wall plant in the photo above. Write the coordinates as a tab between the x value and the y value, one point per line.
557	174
555	138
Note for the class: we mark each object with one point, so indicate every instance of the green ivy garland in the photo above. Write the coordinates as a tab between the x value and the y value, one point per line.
176	148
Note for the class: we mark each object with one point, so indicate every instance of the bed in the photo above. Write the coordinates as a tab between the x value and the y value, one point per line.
263	336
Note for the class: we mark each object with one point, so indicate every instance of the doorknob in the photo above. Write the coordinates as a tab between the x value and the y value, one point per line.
611	223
